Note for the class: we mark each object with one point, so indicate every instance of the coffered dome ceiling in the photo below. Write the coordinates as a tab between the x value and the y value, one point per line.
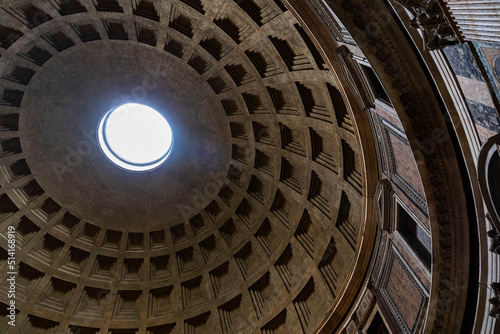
250	225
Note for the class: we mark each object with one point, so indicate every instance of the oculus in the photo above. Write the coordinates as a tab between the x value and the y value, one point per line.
135	137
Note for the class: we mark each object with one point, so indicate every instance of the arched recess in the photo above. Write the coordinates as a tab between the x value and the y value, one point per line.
489	179
422	114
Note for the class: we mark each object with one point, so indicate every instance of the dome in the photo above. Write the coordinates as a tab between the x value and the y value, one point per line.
240	220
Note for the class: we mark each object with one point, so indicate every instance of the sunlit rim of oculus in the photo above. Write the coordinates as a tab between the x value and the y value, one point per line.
135	137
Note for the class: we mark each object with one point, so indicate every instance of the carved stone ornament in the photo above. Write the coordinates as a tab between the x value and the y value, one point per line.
428	16
495	241
495	301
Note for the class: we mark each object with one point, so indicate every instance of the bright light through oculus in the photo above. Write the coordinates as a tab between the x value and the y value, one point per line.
135	137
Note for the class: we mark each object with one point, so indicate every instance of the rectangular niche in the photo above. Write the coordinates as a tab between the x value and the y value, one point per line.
57	295
178	233
340	109
234	27
218	84
59	41
198	224
175	47
246	213
276	325
21	75
260	12
229	312
254	103
281	208
47	249
182	22
263	63
112	239
327	268
294	61
132	270
147	9
11	98
263	162
319	194
239	153
92	302
303	233
209	249
283	100
289	175
161	302
292	140
199	63
260	292
262	133
226	194
29	15
115	30
103	268
231	107
303	304
27	280
8	36
185	260
352	168
322	150
222	280
146	35
195	4
245	260
135	242
127	305
283	267
197	324
75	261
193	293
16	169
160	268
229	233
108	6
214	46
157	239
68	7
40	325
239	74
213	211
86	32
162	329
89	234
7	207
266	236
25	230
234	174
345	221
313	102
47	210
36	55
9	146
257	188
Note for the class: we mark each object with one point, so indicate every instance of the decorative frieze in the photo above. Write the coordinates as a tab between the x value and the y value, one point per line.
430	18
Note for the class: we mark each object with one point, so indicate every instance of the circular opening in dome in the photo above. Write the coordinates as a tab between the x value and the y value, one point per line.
135	137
